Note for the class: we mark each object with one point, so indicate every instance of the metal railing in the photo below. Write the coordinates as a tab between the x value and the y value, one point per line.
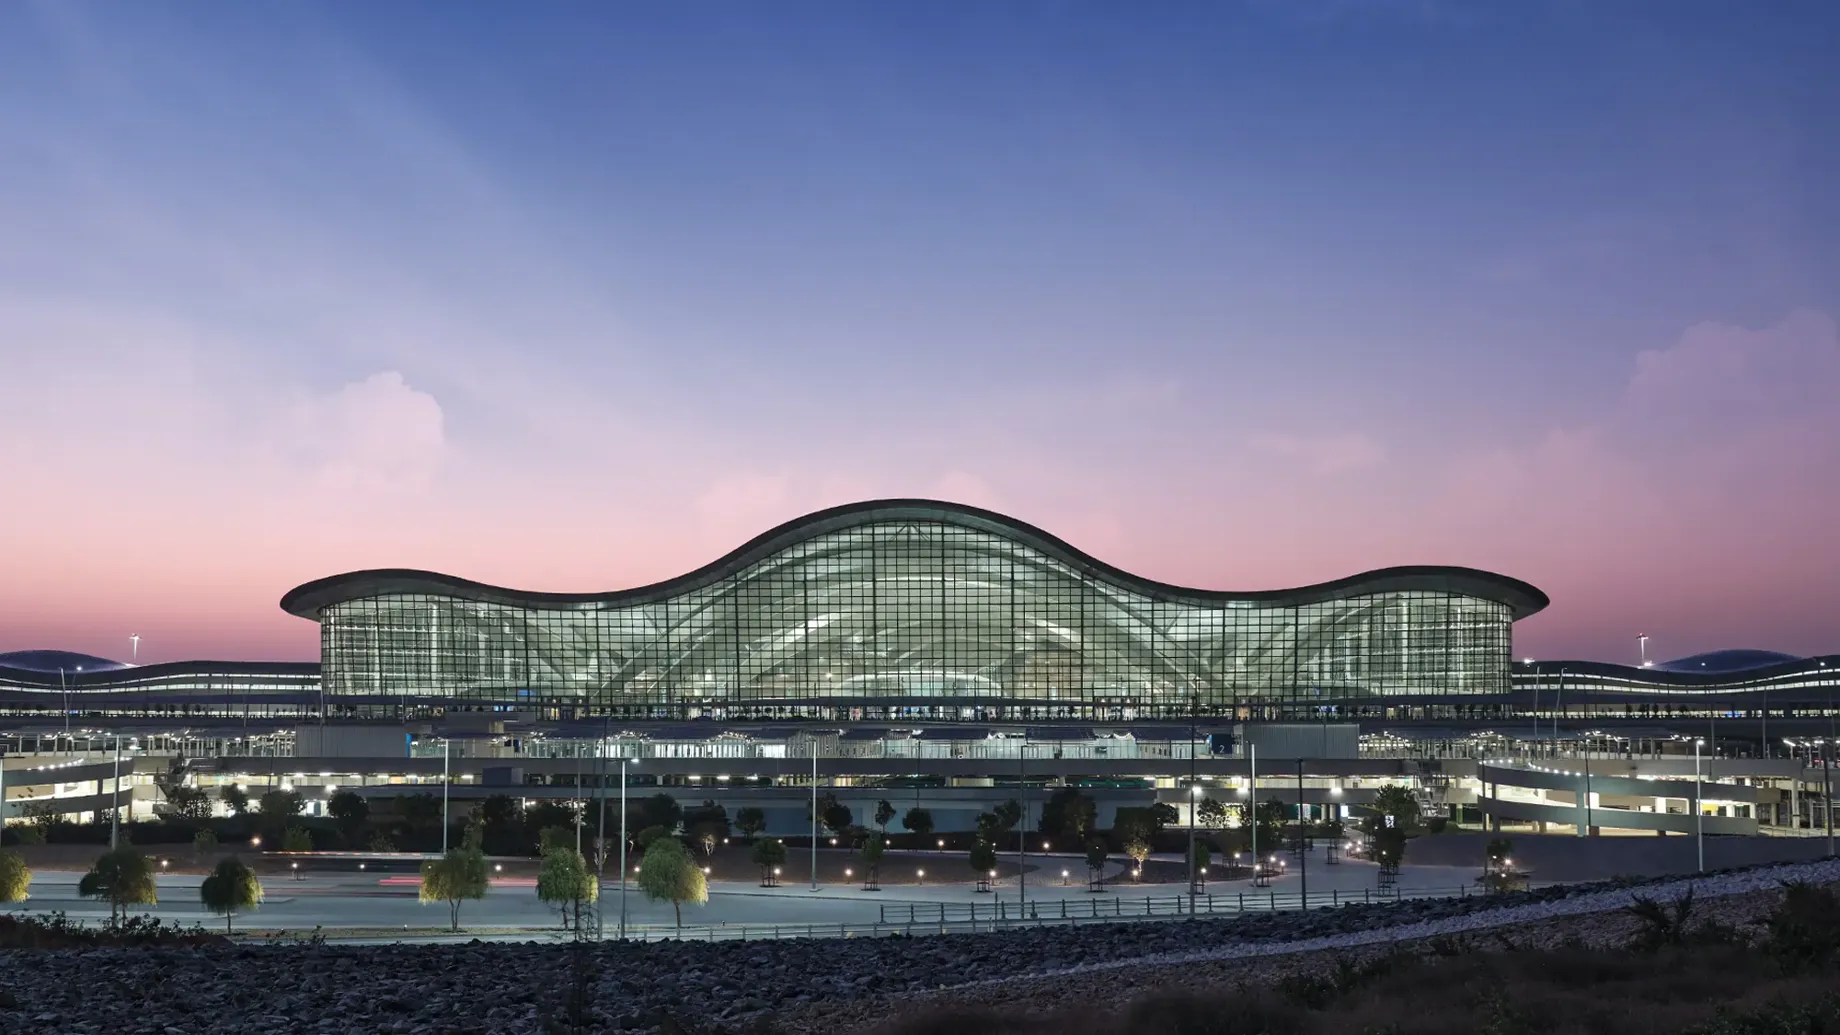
917	918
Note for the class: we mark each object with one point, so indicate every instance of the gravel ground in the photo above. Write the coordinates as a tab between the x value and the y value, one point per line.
802	985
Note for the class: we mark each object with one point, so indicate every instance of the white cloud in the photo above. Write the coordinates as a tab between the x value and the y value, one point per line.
1324	454
372	435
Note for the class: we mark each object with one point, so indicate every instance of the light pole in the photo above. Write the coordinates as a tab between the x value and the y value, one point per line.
1022	826
1252	805
115	801
135	639
1536	704
623	763
64	685
1699	808
814	814
1303	848
1194	805
445	770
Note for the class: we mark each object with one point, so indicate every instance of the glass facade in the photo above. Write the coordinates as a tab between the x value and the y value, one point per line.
901	618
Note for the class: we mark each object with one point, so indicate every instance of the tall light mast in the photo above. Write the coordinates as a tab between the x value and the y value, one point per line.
1642	645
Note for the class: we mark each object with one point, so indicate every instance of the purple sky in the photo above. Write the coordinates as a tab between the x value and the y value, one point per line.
1232	294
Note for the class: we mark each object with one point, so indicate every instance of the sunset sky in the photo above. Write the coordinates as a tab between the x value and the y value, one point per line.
1238	294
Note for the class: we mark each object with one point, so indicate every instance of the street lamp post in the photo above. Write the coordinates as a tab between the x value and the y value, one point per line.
623	762
115	801
1252	804
1699	808
814	814
1194	805
1303	846
446	768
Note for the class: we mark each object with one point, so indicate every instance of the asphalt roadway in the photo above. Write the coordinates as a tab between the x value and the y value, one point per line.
356	904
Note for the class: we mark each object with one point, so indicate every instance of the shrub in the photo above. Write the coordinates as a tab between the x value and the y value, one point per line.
15	878
29	834
204	842
296	839
1804	929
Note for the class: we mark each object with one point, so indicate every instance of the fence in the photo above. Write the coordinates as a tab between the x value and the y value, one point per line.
917	918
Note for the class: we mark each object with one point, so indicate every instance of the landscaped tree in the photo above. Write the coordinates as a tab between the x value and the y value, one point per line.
189	802
1203	855
669	874
884	814
551	838
422	811
280	806
837	817
234	798
1069	814
983	858
1271	816
1397	802
122	878
644	838
296	839
1096	856
15	877
769	854
660	810
454	878
1008	815
750	821
1389	848
231	888
1162	815
1212	813
874	846
204	842
564	881
707	826
1139	850
918	821
349	810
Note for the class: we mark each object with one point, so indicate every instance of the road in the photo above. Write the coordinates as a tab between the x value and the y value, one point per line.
378	903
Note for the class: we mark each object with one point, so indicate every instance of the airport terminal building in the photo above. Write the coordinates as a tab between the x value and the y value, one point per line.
927	646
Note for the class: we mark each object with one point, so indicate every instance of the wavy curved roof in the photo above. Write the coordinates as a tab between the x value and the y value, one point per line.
1728	661
44	661
310	599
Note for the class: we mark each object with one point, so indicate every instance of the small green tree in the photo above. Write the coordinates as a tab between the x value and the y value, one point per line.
204	842
564	881
1008	815
874	846
189	802
1203	855
296	839
234	798
1270	823
454	878
551	838
838	817
1212	813
15	877
1138	850
660	810
280	806
422	811
669	874
350	811
918	821
1069	814
1096	856
884	814
750	821
983	859
769	854
1398	803
1389	848
231	888
122	878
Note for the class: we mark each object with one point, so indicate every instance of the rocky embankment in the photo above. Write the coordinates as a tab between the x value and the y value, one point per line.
823	984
